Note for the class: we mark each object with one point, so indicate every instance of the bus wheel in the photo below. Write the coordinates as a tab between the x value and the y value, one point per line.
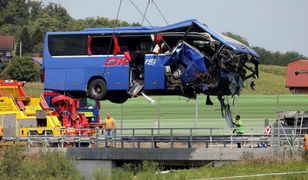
97	89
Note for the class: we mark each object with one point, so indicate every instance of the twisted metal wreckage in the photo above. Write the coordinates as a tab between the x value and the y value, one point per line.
200	60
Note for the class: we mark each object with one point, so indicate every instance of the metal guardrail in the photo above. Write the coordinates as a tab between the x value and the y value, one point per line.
175	137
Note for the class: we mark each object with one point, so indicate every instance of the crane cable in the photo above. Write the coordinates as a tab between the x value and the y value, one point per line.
161	14
119	8
140	12
145	12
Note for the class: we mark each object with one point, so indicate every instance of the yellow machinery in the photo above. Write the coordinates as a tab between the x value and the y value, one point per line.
21	115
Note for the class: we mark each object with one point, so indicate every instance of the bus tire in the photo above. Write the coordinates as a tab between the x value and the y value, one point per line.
97	89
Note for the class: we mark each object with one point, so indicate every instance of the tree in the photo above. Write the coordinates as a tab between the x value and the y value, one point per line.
35	9
14	12
58	12
45	23
277	58
26	39
9	29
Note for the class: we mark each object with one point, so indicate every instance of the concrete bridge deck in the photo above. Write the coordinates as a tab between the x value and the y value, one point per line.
167	154
90	159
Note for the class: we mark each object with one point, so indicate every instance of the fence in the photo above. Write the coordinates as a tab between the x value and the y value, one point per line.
168	138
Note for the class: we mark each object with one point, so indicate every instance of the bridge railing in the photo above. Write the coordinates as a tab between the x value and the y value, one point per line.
166	138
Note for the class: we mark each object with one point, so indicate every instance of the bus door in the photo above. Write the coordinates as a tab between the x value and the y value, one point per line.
154	72
147	72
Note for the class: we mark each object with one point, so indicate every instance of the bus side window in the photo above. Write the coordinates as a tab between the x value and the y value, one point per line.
135	43
101	45
67	45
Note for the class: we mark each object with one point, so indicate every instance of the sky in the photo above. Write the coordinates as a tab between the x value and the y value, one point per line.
277	25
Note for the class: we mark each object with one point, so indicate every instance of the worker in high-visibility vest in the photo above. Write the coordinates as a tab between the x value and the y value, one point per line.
109	124
239	128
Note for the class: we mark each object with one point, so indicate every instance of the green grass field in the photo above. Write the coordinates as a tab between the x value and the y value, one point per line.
175	112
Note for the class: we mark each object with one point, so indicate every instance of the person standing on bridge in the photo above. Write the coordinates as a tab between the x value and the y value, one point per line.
109	125
239	131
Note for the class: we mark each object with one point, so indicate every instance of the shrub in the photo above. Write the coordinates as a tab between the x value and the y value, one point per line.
22	69
12	163
17	163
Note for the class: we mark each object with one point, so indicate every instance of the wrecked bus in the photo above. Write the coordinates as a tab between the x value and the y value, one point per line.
186	58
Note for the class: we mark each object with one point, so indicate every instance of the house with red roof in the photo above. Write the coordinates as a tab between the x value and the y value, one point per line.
297	76
6	47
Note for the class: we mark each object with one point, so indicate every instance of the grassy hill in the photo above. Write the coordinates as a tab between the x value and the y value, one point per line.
271	81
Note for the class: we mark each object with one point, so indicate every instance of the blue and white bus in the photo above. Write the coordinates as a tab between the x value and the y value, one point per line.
115	64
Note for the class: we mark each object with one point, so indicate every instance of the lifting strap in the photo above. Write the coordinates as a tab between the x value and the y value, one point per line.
89	45
116	47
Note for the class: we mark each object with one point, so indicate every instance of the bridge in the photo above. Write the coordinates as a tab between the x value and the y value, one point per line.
171	147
